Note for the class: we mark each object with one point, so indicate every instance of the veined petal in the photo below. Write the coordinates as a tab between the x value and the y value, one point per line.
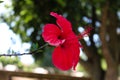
51	33
62	22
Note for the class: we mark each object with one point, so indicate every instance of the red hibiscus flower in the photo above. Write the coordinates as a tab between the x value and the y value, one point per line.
66	53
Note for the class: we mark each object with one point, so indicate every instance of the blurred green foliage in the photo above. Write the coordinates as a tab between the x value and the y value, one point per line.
29	16
11	60
1	1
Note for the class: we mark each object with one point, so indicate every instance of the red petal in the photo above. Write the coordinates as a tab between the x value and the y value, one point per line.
73	44
51	33
62	58
63	23
66	56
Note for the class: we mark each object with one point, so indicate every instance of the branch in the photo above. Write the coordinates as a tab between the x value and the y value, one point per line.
20	54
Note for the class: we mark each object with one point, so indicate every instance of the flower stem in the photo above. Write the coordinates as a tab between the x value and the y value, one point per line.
20	54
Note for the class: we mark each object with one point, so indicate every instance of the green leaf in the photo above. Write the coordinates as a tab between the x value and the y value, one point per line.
1	1
34	46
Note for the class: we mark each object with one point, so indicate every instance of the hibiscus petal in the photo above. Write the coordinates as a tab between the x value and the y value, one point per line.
73	45
62	58
62	22
75	51
51	33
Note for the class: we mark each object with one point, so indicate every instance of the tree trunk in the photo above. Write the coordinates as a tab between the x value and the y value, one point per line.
112	73
93	68
108	53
